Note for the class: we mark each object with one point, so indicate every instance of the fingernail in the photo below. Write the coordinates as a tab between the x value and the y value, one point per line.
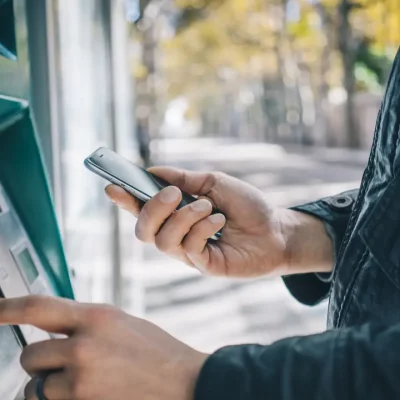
201	205
217	218
170	194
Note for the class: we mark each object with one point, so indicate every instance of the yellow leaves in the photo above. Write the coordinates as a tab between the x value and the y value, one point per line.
383	20
140	71
236	35
197	4
246	36
329	4
302	27
191	3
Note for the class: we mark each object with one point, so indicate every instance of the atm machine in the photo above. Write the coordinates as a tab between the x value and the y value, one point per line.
32	260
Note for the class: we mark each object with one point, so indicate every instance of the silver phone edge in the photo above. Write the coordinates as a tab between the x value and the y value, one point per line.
113	179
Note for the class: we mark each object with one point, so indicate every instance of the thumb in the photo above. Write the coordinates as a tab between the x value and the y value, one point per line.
197	183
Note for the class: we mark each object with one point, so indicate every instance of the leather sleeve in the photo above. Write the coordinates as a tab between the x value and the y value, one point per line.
310	289
350	364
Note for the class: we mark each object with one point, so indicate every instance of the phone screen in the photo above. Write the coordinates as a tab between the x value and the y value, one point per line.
126	172
132	175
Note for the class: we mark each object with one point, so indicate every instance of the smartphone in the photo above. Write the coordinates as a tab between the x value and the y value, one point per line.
135	180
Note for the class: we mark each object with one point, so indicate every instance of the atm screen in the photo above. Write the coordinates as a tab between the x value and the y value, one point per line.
26	263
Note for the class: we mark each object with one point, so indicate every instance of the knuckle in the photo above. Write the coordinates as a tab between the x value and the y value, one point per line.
162	244
82	351
213	178
187	247
25	358
102	314
217	176
183	179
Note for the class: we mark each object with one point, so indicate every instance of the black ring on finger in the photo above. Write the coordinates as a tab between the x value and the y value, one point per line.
41	380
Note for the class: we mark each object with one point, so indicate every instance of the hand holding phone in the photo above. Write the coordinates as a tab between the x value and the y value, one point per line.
258	239
135	180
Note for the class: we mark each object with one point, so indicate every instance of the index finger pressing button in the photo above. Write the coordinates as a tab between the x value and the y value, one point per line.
50	314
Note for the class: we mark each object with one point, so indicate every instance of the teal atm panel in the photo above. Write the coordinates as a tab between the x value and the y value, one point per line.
24	181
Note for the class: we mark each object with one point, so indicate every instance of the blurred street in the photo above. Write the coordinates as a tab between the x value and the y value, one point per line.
209	313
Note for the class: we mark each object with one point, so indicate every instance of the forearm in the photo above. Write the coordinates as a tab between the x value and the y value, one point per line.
308	246
358	363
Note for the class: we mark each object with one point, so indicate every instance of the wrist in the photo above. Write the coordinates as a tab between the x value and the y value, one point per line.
191	373
308	245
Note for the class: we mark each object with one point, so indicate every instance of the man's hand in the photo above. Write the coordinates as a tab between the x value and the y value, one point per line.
257	239
107	354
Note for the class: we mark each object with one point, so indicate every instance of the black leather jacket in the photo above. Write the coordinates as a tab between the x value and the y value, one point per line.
359	356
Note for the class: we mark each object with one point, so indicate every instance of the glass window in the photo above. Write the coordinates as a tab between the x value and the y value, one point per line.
94	110
84	84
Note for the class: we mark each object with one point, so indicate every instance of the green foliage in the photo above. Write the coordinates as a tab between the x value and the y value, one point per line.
375	61
219	44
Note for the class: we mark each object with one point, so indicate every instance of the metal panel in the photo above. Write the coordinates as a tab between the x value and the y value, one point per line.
15	282
23	177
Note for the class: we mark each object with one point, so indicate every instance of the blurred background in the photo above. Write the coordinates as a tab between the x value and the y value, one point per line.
280	93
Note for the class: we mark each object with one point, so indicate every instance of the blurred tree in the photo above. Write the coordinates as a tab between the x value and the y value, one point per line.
348	44
297	51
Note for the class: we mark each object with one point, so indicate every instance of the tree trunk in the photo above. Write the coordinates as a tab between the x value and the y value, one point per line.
347	48
324	133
